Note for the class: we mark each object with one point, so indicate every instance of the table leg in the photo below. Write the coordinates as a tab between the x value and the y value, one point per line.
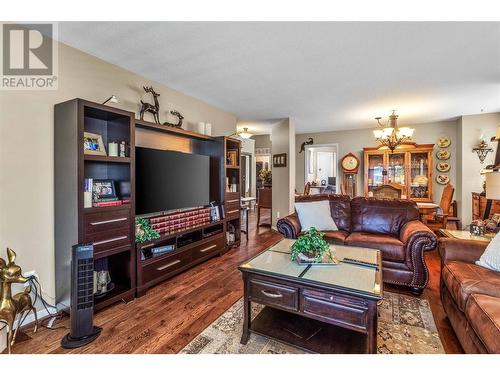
371	339
247	309
246	222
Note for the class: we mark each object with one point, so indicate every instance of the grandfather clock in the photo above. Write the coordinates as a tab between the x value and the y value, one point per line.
350	167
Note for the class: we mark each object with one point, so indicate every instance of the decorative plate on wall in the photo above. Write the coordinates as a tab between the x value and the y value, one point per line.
442	179
443	166
444	142
443	154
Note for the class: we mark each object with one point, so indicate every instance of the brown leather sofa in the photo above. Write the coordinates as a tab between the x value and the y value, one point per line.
390	225
470	295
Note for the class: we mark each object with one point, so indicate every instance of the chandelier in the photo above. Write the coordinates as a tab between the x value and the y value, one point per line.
390	135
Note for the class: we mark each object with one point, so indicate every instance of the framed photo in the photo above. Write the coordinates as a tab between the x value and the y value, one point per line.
93	144
279	160
103	190
232	158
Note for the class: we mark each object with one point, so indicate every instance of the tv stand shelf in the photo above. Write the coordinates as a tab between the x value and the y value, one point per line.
158	268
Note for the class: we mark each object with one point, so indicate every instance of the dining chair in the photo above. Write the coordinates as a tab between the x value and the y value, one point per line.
439	220
264	201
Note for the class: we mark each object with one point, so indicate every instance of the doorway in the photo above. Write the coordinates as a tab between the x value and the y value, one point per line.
321	168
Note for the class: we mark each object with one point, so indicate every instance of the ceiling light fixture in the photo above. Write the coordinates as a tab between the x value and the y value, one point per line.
390	135
245	134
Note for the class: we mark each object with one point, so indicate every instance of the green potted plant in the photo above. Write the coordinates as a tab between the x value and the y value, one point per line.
143	231
266	176
311	247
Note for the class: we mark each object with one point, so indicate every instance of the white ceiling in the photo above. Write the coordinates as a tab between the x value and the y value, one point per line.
327	76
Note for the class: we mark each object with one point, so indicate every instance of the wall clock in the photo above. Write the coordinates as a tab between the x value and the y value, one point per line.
350	167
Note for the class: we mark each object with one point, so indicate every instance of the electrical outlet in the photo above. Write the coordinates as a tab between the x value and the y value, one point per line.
277	215
31	273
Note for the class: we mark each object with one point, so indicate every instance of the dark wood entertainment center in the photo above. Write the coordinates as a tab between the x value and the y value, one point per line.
112	229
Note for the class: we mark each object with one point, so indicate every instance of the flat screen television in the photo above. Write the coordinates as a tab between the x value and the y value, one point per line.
168	180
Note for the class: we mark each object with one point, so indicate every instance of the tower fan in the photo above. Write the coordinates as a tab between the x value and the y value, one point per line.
82	330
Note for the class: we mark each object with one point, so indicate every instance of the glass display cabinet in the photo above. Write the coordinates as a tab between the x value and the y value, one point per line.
407	169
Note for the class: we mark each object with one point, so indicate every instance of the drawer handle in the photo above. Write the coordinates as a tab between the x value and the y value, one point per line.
108	221
110	240
232	212
168	265
271	295
233	200
207	248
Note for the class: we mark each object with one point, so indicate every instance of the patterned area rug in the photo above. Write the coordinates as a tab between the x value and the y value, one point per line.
405	326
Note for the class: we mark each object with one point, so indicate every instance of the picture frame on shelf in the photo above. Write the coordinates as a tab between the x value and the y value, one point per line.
93	144
104	190
232	158
279	160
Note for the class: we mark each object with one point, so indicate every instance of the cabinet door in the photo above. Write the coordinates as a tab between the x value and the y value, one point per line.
396	169
375	171
420	175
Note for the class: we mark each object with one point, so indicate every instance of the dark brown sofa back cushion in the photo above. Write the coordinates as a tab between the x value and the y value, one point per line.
385	216
340	207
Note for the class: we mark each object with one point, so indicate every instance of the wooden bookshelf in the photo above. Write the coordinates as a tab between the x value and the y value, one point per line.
110	229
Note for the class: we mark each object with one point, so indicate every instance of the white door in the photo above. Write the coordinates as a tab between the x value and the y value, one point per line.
324	165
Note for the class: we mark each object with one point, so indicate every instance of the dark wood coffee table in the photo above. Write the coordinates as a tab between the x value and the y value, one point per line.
321	309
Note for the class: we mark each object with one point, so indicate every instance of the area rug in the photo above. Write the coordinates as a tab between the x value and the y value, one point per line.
405	326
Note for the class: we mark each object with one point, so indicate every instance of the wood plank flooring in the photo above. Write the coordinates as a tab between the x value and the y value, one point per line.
171	314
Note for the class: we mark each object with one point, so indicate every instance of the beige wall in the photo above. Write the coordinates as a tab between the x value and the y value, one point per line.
262	141
471	128
283	139
355	140
27	149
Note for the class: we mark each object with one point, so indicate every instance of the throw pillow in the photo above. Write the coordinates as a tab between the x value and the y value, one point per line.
315	215
491	256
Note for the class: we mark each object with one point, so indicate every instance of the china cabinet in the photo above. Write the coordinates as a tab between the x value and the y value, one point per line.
409	167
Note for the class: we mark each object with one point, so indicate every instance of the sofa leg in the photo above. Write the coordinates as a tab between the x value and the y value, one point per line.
416	291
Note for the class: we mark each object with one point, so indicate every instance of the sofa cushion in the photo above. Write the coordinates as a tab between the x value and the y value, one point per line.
483	314
383	216
315	215
491	256
391	248
340	207
464	279
336	237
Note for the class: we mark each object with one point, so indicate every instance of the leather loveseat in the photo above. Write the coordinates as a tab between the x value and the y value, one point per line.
470	295
390	225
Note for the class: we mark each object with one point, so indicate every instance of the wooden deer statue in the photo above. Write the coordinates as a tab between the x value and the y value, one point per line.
20	303
147	107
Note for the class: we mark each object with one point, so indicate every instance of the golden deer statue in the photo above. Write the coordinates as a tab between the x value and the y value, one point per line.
10	306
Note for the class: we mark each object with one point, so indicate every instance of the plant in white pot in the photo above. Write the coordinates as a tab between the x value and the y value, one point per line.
311	247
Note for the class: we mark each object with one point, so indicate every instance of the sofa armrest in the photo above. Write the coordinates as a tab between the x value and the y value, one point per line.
289	226
417	238
461	250
416	228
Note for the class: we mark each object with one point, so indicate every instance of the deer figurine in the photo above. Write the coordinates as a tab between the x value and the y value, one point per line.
179	122
20	303
147	107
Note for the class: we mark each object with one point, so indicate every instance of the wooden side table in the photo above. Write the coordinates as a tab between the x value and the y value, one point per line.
465	235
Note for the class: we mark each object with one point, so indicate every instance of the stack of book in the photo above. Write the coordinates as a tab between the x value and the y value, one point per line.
180	221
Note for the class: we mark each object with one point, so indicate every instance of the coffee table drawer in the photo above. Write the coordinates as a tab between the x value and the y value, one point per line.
335	309
273	294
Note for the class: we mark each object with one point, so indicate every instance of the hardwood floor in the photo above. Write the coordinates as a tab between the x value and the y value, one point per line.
171	314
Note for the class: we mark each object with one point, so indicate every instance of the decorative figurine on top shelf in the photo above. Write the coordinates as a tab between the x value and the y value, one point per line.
20	303
179	116
147	107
